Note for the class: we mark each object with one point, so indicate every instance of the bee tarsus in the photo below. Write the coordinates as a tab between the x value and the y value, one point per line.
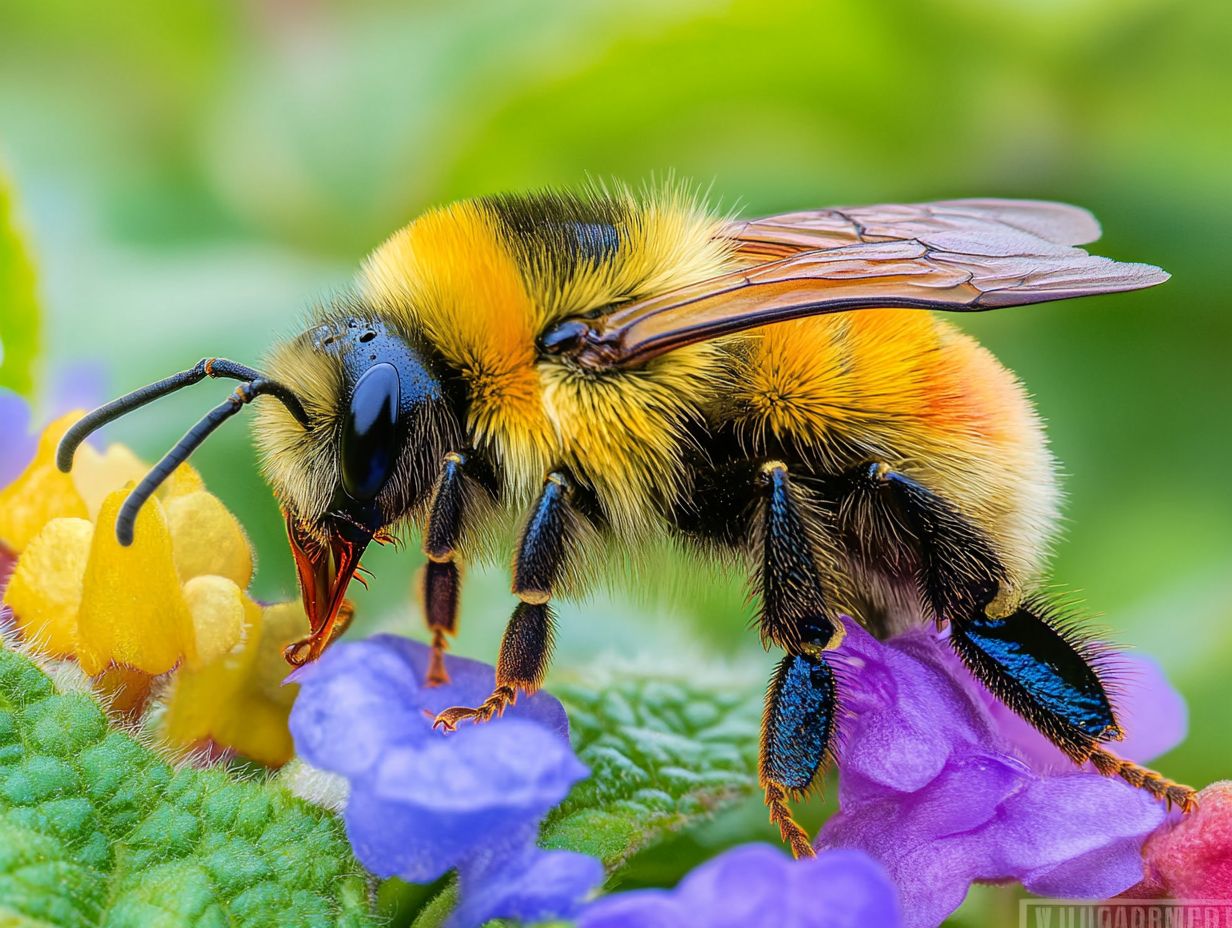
526	646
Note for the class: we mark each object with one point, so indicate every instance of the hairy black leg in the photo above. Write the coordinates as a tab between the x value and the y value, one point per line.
442	577
797	615
526	646
797	729
1021	651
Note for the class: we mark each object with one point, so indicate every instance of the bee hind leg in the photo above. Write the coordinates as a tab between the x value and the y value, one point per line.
1047	674
796	614
797	731
1021	649
526	647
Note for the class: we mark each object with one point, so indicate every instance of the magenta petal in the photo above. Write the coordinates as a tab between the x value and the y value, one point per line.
932	843
897	694
1151	712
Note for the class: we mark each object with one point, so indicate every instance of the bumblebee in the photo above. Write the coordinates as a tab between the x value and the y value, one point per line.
576	375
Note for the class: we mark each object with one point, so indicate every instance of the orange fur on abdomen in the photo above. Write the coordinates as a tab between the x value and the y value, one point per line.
906	388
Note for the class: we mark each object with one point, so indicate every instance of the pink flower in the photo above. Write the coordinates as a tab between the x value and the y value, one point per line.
1191	858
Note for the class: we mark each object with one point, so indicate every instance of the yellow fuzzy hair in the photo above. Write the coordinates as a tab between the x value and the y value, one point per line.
906	388
452	275
897	385
301	465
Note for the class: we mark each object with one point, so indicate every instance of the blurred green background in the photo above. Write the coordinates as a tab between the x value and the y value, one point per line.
193	175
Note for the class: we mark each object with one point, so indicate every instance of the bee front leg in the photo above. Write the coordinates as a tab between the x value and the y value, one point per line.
442	576
526	646
797	615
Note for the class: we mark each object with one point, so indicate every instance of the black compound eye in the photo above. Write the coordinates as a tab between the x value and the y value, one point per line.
370	433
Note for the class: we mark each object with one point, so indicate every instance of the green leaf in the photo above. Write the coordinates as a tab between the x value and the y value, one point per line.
664	752
98	830
19	310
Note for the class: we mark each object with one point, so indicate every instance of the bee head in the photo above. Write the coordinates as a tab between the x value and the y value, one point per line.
364	415
382	413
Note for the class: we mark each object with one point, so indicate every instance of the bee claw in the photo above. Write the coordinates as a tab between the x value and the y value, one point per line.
448	720
387	538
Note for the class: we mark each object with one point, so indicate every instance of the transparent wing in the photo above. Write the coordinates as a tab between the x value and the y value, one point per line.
958	255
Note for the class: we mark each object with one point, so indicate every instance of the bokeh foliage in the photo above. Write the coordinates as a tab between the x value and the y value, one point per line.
20	316
195	173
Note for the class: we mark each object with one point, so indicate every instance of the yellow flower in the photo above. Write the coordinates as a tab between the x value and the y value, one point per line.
41	493
173	601
239	701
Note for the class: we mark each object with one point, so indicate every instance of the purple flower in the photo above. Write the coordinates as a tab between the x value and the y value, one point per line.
944	787
756	886
77	387
422	802
16	442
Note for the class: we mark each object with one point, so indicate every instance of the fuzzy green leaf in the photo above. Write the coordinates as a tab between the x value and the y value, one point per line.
664	752
20	324
98	830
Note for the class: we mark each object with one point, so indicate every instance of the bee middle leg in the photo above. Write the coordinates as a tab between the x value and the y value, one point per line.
526	647
797	615
1014	645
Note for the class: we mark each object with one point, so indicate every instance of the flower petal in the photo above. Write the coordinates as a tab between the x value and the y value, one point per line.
992	811
469	684
422	802
45	589
207	539
132	608
1193	858
429	805
17	446
356	700
1078	835
257	723
933	843
514	767
41	493
1150	710
898	693
363	695
218	616
237	700
757	885
523	883
95	474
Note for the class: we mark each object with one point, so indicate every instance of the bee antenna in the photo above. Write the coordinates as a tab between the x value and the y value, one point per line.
206	367
254	384
244	394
